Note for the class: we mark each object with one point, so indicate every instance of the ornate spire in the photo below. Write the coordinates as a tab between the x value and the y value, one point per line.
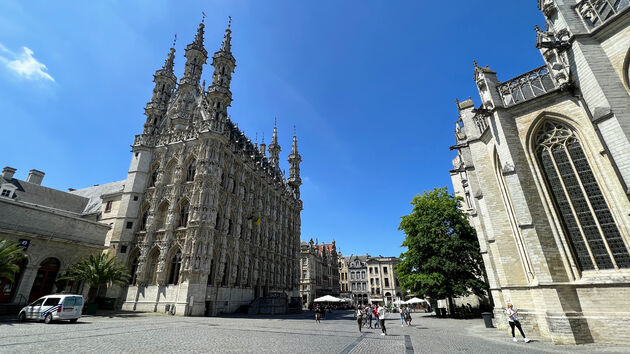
294	170
226	46
196	55
219	96
274	148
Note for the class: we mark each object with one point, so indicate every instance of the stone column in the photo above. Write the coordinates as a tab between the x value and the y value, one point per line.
28	278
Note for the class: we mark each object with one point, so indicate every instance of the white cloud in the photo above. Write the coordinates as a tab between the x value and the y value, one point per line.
24	64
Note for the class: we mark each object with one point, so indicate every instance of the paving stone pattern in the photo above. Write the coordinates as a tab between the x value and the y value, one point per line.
338	333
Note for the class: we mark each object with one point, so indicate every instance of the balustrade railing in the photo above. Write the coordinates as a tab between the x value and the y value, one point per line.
596	12
527	86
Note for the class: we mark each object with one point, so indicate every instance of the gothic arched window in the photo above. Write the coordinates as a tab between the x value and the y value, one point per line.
586	217
183	214
176	264
190	176
160	221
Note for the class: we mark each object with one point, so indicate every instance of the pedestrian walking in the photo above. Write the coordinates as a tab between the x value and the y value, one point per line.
375	312
408	316
514	322
370	315
381	319
317	314
359	317
402	316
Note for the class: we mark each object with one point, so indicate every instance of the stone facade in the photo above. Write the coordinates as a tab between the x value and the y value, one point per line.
206	219
358	279
344	283
543	166
384	286
55	228
319	271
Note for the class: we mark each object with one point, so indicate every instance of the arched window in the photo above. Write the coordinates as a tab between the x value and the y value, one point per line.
160	220
169	177
586	217
176	264
152	267
134	269
190	176
183	214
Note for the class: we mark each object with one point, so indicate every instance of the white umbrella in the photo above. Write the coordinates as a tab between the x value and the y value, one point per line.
327	298
415	300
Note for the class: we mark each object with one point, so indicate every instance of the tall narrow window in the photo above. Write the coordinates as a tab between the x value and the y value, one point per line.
183	214
160	221
190	176
176	264
585	215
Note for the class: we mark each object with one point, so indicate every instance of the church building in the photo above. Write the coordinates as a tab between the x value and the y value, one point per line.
543	167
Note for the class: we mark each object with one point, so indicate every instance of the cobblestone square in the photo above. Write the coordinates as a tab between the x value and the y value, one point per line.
338	333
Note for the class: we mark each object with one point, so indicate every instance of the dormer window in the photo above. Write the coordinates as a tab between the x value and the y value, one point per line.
7	190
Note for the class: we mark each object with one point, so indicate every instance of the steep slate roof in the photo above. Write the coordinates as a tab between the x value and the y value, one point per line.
93	194
53	198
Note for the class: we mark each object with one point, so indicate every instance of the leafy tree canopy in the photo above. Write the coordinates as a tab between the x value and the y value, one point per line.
442	258
10	256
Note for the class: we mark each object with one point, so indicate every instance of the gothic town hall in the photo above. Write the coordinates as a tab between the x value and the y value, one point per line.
206	220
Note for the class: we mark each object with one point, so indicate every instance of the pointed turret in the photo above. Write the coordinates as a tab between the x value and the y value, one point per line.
219	94
189	90
294	170
196	55
274	148
165	81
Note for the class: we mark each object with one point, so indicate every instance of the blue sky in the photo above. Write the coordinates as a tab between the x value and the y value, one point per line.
370	86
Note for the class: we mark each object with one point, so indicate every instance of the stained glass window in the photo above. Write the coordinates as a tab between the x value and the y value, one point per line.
586	217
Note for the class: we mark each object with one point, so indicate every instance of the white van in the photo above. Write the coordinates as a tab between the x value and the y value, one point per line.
53	307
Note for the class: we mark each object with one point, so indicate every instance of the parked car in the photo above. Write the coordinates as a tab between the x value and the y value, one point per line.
53	307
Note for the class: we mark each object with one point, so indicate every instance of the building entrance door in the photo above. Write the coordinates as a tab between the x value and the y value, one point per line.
7	288
45	278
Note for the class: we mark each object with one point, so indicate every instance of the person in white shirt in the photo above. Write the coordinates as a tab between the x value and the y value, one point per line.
381	319
514	323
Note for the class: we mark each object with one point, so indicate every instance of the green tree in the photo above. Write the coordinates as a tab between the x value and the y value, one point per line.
10	255
442	258
98	271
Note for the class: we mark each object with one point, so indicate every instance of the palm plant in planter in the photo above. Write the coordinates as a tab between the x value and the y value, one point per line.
10	255
98	271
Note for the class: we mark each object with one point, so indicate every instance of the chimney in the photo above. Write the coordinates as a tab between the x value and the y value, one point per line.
7	172
35	177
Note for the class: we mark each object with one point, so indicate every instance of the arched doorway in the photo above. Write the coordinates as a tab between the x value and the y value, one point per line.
45	278
7	288
388	296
